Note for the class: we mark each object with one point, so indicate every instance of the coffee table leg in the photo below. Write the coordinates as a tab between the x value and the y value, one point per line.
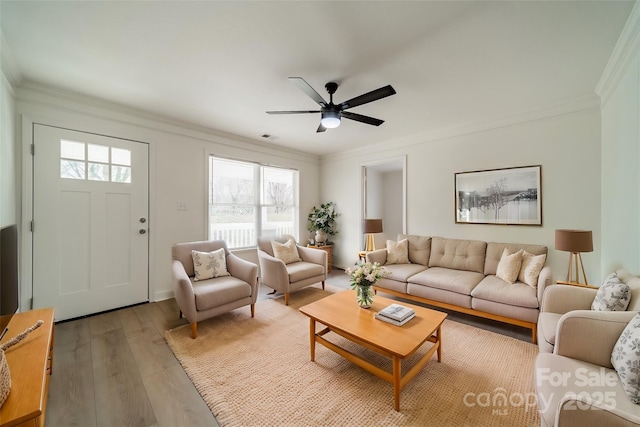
397	367
439	338
312	339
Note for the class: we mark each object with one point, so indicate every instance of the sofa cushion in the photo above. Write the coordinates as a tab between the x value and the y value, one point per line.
492	288
219	291
531	267
458	281
207	265
419	248
494	253
613	295
286	252
625	358
303	270
402	272
467	255
634	285
398	252
509	265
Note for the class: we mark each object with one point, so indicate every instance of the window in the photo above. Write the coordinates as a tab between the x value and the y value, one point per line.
248	200
94	162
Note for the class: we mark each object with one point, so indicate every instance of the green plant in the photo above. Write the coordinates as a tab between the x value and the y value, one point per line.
323	218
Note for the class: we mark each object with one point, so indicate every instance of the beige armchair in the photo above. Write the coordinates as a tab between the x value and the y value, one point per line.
576	385
200	300
291	277
560	302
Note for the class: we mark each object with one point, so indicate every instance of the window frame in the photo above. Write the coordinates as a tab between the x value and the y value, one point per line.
258	196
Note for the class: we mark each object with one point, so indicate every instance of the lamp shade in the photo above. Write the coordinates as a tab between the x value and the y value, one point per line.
372	226
574	241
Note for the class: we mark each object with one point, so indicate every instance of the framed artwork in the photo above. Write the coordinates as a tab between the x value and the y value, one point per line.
499	196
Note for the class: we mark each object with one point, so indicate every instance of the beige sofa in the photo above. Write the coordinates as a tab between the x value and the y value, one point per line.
576	386
561	303
460	275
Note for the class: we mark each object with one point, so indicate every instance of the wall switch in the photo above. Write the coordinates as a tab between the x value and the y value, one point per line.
182	206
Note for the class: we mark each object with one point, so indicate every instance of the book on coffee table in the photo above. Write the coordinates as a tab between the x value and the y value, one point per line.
397	312
395	322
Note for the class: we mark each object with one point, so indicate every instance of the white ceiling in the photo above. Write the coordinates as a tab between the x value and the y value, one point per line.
223	64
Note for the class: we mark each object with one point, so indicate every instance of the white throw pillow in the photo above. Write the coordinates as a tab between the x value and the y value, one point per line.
208	265
531	268
398	252
613	295
286	252
509	265
625	359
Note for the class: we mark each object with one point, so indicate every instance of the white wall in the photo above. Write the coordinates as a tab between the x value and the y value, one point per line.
8	188
620	89
178	169
567	145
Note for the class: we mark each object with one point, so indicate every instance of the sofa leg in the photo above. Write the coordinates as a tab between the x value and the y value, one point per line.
194	330
323	285
286	298
253	310
534	334
179	314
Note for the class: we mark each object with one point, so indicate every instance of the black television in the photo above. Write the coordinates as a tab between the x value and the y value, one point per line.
9	282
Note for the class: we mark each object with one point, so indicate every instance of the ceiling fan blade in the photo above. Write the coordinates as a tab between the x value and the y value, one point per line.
374	95
321	128
360	118
293	112
306	88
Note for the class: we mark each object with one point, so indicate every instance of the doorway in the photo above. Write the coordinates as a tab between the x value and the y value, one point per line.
384	196
90	222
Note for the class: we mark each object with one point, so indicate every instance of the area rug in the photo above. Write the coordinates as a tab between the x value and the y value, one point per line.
257	372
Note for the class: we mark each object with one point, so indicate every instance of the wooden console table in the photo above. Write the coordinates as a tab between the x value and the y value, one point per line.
327	249
30	364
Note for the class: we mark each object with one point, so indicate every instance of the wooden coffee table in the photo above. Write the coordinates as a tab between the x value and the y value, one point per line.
341	314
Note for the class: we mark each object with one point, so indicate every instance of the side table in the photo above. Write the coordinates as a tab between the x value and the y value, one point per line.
327	249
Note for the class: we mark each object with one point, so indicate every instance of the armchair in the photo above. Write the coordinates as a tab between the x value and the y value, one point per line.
560	301
577	385
200	300
287	278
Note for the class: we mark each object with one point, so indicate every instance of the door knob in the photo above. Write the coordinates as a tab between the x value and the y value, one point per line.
142	231
143	220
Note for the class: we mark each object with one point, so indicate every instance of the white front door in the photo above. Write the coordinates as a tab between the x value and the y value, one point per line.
90	213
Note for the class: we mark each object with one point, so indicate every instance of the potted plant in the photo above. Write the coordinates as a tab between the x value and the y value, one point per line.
322	220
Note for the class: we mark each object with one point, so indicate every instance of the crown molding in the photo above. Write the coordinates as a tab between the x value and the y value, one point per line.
8	64
576	105
61	99
626	50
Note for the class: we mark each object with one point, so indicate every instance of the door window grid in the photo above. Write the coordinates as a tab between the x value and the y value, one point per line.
93	162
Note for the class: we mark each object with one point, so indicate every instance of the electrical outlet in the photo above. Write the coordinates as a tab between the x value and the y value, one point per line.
182	206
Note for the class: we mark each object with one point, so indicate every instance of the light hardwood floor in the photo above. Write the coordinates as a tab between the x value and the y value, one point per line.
115	368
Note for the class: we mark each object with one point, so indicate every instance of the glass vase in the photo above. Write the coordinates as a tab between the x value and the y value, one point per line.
364	296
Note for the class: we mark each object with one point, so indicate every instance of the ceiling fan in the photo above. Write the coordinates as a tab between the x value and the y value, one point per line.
331	113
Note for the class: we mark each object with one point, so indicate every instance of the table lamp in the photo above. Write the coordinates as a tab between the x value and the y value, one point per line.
371	226
576	242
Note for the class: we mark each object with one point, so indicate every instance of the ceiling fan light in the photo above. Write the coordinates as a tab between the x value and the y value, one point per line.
330	119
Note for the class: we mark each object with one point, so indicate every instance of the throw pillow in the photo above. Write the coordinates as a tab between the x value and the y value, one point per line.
531	268
613	295
208	265
286	252
625	359
509	265
398	252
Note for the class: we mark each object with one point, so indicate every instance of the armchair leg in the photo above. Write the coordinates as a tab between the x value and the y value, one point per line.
323	285
194	330
286	298
253	310
179	314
